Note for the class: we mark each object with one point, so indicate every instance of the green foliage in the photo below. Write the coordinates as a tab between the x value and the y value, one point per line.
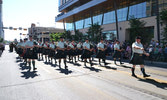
56	36
137	29
163	18
94	33
1	39
67	35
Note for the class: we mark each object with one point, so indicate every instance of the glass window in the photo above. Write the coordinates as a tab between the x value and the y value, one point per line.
97	19
110	35
122	14
138	10
109	17
79	24
69	26
87	22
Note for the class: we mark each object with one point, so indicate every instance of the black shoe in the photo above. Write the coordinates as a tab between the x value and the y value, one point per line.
91	64
59	67
66	67
34	68
134	75
145	75
121	63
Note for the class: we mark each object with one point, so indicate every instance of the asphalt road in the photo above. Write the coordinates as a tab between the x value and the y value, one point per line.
48	82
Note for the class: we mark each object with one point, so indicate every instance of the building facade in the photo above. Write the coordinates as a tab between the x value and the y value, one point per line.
112	15
42	33
1	22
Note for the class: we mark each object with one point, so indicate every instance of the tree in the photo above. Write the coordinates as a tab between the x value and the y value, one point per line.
56	36
137	28
163	18
94	32
78	35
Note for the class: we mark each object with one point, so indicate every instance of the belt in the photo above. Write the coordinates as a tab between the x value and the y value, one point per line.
140	54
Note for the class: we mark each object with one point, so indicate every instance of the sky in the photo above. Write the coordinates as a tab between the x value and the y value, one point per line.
21	13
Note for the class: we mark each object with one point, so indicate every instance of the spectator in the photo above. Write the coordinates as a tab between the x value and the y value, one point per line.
165	53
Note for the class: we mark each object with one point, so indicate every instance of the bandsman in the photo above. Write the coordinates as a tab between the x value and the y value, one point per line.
87	52
30	53
61	52
117	52
101	52
137	57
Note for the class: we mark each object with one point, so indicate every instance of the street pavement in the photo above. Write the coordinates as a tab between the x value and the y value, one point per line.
48	82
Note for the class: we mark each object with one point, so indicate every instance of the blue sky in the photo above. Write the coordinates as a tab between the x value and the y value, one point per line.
21	13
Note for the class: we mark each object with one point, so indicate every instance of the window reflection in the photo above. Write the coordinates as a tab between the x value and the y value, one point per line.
110	35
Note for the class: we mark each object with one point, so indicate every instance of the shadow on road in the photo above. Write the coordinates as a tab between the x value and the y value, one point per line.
93	69
23	67
29	74
154	82
65	71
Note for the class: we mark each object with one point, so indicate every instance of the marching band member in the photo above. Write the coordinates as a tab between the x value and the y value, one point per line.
61	52
52	51
30	54
46	50
72	52
87	52
117	52
79	49
137	56
101	52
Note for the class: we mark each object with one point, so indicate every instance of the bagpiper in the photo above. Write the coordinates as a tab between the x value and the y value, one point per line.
79	49
87	52
30	53
52	51
61	52
72	51
101	52
46	51
117	52
137	56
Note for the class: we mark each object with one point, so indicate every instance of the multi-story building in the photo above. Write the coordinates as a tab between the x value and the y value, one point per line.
112	15
42	33
1	22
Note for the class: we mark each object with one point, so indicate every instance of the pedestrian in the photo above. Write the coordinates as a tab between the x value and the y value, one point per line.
137	56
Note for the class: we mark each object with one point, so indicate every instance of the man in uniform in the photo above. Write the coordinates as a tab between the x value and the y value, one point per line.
101	52
117	52
137	56
87	52
30	54
61	53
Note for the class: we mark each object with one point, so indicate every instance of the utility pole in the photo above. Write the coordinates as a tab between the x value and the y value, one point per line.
157	14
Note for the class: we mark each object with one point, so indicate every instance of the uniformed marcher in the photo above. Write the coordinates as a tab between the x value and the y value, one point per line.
137	56
79	49
19	49
30	54
117	52
39	51
101	52
72	51
87	52
61	52
52	51
46	51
